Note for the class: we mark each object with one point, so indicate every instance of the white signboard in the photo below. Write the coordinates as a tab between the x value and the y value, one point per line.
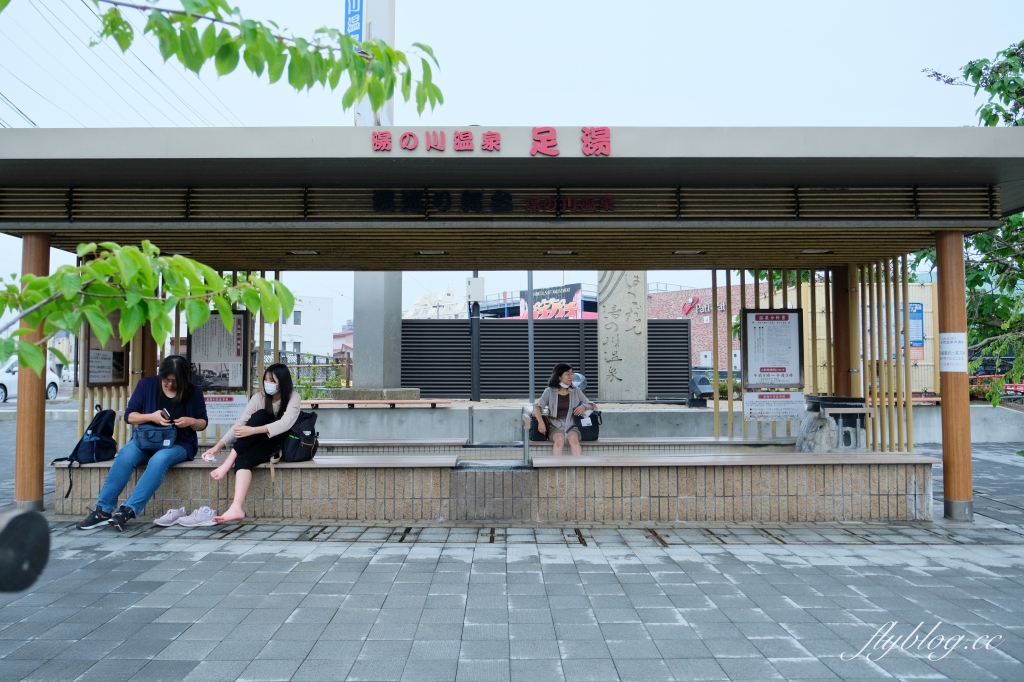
953	352
218	354
773	352
101	366
773	407
225	409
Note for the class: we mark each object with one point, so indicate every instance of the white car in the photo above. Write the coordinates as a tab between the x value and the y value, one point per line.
9	381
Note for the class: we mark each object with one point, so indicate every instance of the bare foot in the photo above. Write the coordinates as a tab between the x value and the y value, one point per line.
218	473
231	514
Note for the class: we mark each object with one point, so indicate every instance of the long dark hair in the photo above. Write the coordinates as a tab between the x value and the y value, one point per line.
284	388
177	367
560	369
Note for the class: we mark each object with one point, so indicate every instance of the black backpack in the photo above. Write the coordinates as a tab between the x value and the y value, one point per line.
97	445
301	442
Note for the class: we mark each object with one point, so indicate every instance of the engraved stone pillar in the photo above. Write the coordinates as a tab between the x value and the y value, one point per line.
622	335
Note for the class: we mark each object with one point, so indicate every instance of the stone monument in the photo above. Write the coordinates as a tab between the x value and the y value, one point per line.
622	335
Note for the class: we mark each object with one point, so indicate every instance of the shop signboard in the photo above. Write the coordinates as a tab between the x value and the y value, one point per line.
773	406
220	356
556	303
772	348
916	311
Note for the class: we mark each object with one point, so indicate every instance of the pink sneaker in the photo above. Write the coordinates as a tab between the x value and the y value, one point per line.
170	518
200	517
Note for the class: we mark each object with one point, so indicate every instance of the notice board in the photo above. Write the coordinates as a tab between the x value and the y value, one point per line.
220	356
107	363
773	348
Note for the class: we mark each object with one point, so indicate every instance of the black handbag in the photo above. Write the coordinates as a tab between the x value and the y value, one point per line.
535	434
150	437
593	430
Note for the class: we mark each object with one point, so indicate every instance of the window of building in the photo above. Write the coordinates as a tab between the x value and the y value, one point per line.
297	317
297	346
268	346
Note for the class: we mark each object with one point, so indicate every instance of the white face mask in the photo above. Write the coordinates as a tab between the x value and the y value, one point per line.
563	384
269	388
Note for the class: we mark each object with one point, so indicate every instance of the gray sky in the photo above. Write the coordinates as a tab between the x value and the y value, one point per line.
529	62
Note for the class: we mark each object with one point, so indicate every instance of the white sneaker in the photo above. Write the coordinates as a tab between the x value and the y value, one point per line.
170	517
200	517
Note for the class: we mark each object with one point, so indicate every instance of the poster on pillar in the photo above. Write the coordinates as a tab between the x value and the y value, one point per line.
952	352
220	356
773	352
106	362
622	335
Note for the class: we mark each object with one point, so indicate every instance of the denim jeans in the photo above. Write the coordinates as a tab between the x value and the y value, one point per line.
127	459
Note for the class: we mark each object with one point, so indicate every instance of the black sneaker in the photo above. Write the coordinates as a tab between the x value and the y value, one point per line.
97	517
121	517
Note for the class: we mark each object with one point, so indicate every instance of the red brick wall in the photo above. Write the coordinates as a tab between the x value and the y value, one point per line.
669	306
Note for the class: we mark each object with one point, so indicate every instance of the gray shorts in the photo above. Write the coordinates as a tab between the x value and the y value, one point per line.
576	429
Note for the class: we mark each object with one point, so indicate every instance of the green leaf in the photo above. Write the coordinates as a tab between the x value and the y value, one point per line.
269	305
284	294
376	92
406	85
190	51
208	41
421	97
250	299
349	97
3	4
429	50
254	60
70	284
101	326
296	70
227	59
60	356
7	348
132	317
224	309
83	249
31	356
196	313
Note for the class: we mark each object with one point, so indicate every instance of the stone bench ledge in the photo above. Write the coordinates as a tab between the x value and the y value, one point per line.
678	440
736	459
324	462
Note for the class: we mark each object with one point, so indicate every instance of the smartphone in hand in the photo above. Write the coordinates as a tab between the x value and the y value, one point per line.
165	414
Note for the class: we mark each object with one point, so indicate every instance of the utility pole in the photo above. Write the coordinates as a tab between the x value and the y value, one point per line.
474	330
529	330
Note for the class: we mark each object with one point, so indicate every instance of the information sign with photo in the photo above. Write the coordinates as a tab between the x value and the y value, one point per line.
219	356
107	362
773	348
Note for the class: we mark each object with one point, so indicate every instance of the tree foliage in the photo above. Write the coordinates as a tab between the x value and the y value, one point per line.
1003	80
205	31
138	283
994	260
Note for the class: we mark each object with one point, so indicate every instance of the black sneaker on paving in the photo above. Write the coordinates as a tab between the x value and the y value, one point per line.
121	517
97	517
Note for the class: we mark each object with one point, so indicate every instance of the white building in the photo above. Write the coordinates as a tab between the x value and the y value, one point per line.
309	329
440	306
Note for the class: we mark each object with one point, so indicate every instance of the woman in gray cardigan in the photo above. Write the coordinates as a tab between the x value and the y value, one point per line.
563	400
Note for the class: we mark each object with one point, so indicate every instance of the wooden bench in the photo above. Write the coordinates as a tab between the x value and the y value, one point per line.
317	403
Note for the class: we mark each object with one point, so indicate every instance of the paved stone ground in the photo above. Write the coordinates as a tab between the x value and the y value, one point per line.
688	602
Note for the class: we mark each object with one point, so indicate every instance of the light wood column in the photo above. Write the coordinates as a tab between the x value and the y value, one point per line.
853	303
30	438
841	308
956	407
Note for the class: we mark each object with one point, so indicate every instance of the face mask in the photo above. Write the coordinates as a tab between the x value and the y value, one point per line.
269	388
563	384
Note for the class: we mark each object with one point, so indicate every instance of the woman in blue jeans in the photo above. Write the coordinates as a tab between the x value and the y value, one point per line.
168	398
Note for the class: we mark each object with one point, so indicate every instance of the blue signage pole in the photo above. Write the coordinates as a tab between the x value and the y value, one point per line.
355	11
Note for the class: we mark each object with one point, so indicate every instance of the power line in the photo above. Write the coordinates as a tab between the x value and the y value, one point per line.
189	82
3	98
42	96
91	67
106	44
44	49
44	70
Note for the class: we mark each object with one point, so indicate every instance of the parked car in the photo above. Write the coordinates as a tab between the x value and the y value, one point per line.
9	381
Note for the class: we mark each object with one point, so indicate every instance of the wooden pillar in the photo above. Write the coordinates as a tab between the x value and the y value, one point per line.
956	408
30	438
841	332
149	352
